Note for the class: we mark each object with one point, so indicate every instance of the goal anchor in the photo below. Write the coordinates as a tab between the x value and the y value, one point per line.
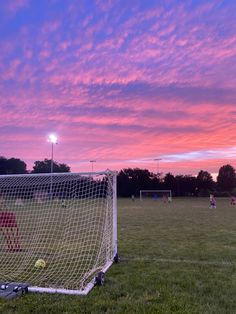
12	289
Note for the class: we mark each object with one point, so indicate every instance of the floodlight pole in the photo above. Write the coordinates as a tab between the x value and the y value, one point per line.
92	162
158	165
53	140
51	171
52	159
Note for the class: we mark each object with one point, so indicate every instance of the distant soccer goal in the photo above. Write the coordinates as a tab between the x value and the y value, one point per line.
164	195
67	220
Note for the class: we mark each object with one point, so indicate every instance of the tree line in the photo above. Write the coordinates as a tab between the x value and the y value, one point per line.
17	166
131	180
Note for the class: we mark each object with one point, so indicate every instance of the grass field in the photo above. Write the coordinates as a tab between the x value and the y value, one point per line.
175	258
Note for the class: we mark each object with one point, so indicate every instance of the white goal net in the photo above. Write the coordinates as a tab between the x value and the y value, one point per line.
68	220
164	195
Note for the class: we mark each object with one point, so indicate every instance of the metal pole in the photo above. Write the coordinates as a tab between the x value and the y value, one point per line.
53	139
92	161
158	165
52	160
114	187
51	172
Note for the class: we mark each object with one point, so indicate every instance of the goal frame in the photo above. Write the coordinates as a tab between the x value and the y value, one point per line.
154	191
92	283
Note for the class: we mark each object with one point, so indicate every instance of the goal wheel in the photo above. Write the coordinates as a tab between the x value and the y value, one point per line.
100	279
116	258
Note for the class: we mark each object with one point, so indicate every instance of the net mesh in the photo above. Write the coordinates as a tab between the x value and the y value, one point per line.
64	219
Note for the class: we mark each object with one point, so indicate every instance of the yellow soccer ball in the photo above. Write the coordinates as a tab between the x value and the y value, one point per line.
40	263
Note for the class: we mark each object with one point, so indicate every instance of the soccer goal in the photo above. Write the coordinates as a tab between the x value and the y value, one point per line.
164	195
67	220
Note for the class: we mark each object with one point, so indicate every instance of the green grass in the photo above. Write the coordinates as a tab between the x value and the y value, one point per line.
175	258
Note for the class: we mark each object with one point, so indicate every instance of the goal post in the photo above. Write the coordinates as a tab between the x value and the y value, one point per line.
69	220
165	195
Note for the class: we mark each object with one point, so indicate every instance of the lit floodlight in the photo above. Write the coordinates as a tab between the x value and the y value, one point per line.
52	138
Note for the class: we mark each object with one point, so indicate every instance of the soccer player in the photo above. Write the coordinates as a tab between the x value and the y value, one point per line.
164	198
9	229
212	201
233	200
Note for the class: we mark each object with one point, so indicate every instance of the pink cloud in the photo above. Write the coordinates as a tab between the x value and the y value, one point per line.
64	45
50	26
105	6
44	53
13	6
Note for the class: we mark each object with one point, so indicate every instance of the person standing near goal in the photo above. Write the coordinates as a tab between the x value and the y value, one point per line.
233	200
9	228
212	201
164	198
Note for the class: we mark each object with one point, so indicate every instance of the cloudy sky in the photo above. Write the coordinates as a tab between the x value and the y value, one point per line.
120	82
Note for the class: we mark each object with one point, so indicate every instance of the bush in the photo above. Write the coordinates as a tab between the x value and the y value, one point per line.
204	192
222	194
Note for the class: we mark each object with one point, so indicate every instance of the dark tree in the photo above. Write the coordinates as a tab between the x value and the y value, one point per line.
45	167
131	181
124	188
205	183
12	166
63	168
3	165
226	178
185	185
169	181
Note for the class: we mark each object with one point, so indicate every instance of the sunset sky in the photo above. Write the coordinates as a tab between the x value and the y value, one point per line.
119	82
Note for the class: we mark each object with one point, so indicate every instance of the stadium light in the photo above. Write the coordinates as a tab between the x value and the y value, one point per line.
53	140
92	162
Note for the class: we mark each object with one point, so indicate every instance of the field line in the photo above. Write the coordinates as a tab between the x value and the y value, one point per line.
185	261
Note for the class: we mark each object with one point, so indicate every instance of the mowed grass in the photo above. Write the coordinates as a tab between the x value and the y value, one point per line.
175	258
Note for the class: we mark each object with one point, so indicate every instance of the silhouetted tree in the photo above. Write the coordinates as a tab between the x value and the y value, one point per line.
3	165
63	168
12	166
185	185
169	182
45	167
205	183
226	178
131	181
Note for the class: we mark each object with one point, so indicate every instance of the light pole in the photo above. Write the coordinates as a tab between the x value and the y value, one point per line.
53	140
158	166
92	162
